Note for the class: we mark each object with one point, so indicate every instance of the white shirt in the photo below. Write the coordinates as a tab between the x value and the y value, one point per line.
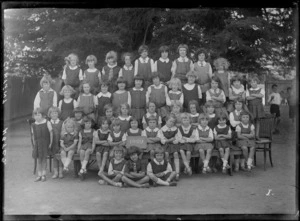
168	170
107	94
67	101
55	121
162	60
168	100
202	64
181	59
215	132
262	91
64	75
156	87
222	95
136	64
233	122
37	99
275	98
110	66
191	87
126	68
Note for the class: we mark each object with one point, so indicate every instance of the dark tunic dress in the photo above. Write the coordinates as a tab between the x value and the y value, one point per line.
222	143
186	146
66	110
42	140
56	137
101	148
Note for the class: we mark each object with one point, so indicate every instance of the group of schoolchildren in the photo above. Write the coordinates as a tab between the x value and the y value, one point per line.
181	108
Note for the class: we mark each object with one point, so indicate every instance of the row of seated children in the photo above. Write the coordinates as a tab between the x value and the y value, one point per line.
173	139
145	66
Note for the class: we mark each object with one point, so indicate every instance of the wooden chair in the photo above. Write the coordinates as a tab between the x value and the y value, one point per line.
30	122
265	144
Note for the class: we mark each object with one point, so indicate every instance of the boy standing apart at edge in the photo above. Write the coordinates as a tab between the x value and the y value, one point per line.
275	101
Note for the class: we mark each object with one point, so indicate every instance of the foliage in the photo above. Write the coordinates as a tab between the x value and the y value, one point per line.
36	40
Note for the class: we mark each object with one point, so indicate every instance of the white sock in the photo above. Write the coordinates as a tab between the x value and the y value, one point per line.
63	160
222	160
249	162
225	163
161	182
205	162
83	164
177	165
68	161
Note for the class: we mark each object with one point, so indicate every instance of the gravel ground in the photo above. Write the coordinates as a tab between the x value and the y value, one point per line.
242	193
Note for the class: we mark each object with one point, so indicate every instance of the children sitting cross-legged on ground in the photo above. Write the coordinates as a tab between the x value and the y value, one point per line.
159	170
222	134
115	169
135	170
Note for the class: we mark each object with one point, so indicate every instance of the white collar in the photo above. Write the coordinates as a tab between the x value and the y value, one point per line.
104	132
125	118
211	115
159	163
213	90
203	129
107	94
222	126
176	92
157	87
164	60
238	89
83	94
54	122
112	66
73	68
244	125
183	59
237	112
148	114
92	70
195	115
118	161
120	91
140	89
166	128
119	133
47	91
128	68
42	122
72	133
134	131
200	63
144	61
254	89
150	130
186	128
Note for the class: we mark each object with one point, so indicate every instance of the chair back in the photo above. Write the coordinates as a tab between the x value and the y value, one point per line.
266	126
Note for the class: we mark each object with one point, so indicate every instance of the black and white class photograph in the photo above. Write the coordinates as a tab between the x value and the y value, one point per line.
150	112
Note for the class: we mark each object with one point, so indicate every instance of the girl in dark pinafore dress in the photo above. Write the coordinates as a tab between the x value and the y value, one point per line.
121	96
222	134
72	74
46	97
254	96
163	65
110	72
127	71
92	75
116	168
104	97
138	99
85	144
182	65
204	141
175	94
124	117
246	139
191	91
152	132
87	100
144	66
102	146
67	104
116	137
42	142
56	124
186	137
170	145
157	93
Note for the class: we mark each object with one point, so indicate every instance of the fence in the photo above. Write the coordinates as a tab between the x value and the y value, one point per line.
20	94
